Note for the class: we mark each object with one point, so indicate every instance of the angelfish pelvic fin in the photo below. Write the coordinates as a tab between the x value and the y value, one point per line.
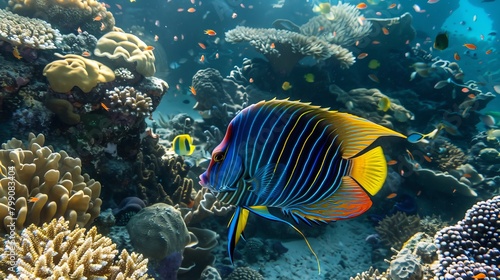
236	226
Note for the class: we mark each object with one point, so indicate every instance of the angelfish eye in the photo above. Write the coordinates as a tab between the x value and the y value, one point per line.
218	157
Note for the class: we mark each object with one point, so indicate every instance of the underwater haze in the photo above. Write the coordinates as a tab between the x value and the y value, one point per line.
242	139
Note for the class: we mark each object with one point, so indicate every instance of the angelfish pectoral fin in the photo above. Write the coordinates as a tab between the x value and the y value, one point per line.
264	212
236	226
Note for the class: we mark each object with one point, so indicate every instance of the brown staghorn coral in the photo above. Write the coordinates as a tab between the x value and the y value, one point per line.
45	185
67	15
284	48
347	28
126	50
76	71
396	229
54	251
448	156
28	32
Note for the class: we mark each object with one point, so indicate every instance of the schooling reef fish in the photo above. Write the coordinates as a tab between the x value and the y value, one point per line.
313	164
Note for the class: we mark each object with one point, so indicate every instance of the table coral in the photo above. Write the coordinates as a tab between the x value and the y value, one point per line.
47	185
126	50
74	70
54	251
284	48
67	15
28	32
470	247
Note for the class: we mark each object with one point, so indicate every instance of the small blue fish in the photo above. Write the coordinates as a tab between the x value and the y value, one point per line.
313	164
183	145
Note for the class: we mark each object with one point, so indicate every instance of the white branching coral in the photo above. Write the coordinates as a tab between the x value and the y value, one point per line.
347	26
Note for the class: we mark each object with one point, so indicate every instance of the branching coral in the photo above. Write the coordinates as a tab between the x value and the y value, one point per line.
129	101
348	26
126	50
284	48
67	15
46	185
54	251
74	70
29	32
448	156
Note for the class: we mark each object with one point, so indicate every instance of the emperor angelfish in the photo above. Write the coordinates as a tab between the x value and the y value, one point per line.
313	164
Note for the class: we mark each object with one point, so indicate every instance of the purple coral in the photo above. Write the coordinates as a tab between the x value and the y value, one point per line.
471	247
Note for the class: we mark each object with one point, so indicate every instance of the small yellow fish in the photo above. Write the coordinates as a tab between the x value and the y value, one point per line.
384	104
373	64
286	86
132	1
309	77
183	145
324	9
15	53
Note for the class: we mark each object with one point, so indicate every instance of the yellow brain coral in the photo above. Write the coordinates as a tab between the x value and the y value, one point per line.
38	184
126	50
75	70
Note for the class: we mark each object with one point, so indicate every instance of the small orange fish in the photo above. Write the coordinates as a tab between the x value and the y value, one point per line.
98	18
362	55
192	90
273	46
202	58
465	90
216	55
104	106
250	80
118	6
361	6
234	15
470	46
357	43
392	195
456	56
374	78
427	158
392	162
392	6
33	199
375	42
471	96
156	38
79	30
361	20
191	10
180	10
15	53
86	54
102	26
385	31
321	28
202	45
479	276
489	51
210	32
149	48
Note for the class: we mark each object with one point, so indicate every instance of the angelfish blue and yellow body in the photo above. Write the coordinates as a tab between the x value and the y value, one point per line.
313	164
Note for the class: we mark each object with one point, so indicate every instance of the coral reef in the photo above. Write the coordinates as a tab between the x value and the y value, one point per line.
447	156
407	225
399	32
47	185
127	208
210	273
470	248
68	15
27	32
54	251
77	44
405	266
284	48
128	100
432	181
74	70
245	273
63	109
126	50
345	30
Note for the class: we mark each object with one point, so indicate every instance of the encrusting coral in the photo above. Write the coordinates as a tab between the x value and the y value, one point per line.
74	70
126	50
54	251
45	185
28	32
67	15
284	48
347	28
